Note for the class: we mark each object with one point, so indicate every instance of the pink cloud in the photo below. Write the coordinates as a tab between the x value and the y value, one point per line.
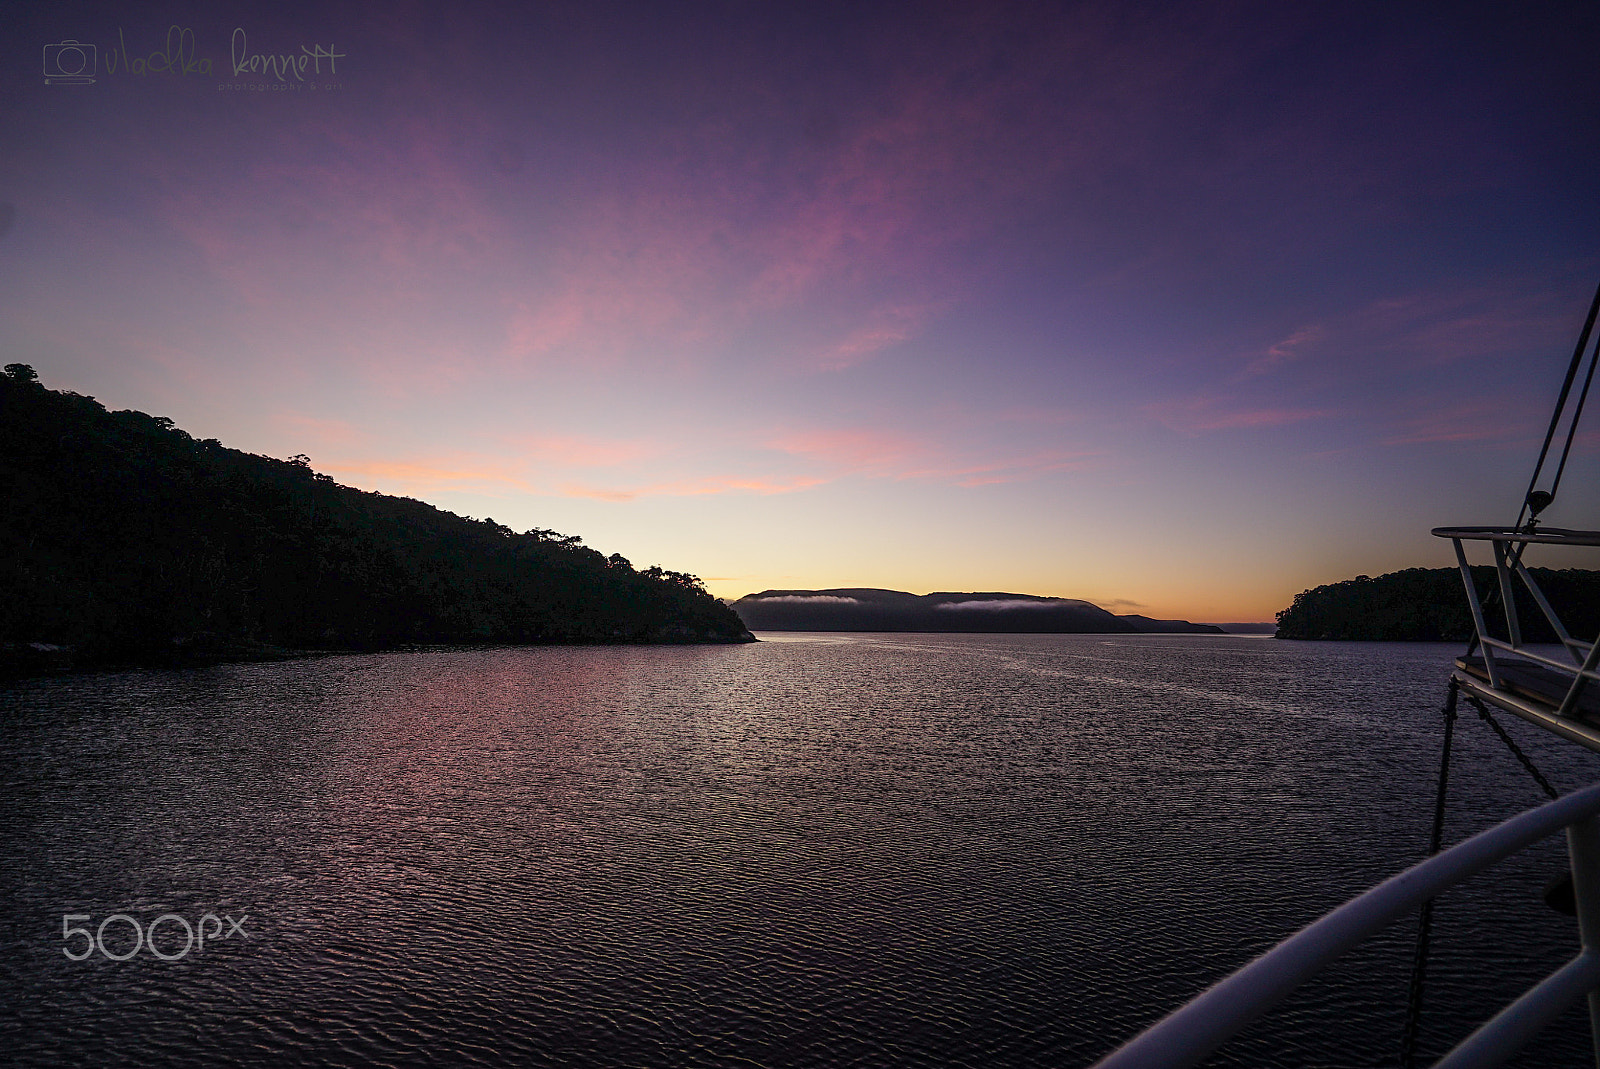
1446	327
1470	421
412	262
723	231
630	272
328	431
886	328
882	454
406	210
581	451
1506	318
854	450
1033	414
542	460
485	475
1289	349
539	328
716	484
597	492
1019	469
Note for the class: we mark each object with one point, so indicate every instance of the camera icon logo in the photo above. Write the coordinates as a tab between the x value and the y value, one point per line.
69	63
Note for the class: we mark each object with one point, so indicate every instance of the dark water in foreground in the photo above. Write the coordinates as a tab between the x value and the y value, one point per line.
909	850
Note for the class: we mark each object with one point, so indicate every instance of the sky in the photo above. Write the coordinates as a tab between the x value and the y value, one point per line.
1180	309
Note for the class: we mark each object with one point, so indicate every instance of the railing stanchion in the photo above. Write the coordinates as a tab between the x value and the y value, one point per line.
1583	847
1570	703
1508	594
1477	614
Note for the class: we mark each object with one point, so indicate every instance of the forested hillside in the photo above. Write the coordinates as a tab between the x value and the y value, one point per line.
128	540
1430	605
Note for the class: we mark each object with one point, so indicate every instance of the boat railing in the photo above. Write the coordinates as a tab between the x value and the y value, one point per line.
1188	1035
1550	691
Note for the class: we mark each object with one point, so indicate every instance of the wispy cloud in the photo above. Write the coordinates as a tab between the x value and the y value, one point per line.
581	451
1015	469
891	455
715	484
1469	421
1424	329
482	475
1471	323
887	327
863	450
324	431
1285	351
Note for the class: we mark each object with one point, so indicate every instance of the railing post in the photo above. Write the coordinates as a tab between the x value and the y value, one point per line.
1507	594
1477	614
1569	704
1583	847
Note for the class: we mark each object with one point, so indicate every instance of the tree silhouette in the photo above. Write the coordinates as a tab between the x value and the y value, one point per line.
124	537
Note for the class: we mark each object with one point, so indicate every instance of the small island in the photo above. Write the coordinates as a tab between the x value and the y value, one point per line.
124	540
869	609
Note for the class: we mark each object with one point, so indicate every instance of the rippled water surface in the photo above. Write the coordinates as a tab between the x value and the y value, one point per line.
862	850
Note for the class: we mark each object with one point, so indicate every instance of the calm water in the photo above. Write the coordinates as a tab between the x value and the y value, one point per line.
907	850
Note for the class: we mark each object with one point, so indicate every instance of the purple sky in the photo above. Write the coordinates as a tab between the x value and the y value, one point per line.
1179	311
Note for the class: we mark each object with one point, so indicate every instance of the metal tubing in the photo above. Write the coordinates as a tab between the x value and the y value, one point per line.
1508	594
1587	669
1549	536
1186	1036
1544	606
1583	847
1477	613
1563	667
1572	730
1505	1033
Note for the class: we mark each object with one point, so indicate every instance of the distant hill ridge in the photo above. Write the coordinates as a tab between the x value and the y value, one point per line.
127	540
871	609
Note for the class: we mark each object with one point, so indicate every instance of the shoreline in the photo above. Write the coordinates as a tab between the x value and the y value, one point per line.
35	660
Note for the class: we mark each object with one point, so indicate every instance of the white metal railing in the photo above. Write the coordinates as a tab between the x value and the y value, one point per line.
1186	1036
1508	544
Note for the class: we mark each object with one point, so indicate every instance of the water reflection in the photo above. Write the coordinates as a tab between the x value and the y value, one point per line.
907	849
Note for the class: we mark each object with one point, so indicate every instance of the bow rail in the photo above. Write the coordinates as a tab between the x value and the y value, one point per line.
1188	1035
1552	692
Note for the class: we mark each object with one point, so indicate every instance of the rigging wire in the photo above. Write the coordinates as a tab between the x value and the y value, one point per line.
1577	414
1419	963
1545	497
1534	502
